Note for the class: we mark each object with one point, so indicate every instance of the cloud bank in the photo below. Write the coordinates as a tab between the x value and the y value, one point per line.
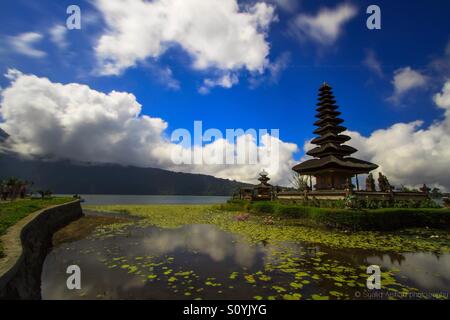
215	33
73	121
410	153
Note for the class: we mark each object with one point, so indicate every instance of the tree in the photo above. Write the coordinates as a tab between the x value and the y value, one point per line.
436	193
45	193
13	188
383	183
299	182
3	190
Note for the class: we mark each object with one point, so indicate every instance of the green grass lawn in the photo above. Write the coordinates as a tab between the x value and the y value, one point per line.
12	211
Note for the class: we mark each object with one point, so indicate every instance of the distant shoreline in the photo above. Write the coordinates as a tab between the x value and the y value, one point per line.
113	199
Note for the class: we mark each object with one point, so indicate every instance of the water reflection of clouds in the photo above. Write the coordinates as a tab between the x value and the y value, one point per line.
91	282
427	270
218	245
204	239
219	251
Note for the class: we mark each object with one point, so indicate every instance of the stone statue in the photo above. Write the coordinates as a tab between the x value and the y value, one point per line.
348	186
370	183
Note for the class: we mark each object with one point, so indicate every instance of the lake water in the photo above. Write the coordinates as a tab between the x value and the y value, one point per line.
97	199
205	262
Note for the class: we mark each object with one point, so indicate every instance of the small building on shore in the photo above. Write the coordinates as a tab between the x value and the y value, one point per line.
261	191
264	190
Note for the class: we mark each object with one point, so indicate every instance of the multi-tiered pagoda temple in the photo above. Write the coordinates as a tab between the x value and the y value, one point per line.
332	167
264	189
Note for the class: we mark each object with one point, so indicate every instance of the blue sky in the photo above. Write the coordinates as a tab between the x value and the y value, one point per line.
414	34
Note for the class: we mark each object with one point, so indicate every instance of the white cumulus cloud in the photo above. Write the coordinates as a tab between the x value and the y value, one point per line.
215	33
24	44
410	153
226	81
73	121
274	71
58	34
442	100
405	80
287	5
325	27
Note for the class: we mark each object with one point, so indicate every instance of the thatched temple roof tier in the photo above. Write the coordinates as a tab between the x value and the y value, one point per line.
331	149
327	107
334	164
326	101
328	120
330	137
329	128
327	113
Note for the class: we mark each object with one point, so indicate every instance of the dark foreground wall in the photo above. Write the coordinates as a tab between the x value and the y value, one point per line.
26	245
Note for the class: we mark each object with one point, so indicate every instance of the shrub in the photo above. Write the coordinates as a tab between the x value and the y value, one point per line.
429	203
372	204
406	214
362	219
384	219
235	205
292	211
263	207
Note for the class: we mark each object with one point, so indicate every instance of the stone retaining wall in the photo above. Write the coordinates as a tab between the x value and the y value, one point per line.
26	245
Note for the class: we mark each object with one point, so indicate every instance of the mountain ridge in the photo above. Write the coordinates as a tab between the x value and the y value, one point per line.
67	177
3	135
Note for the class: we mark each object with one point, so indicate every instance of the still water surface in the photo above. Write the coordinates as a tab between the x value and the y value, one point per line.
204	262
106	199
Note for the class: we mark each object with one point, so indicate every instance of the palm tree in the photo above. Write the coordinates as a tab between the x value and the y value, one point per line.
299	182
13	187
